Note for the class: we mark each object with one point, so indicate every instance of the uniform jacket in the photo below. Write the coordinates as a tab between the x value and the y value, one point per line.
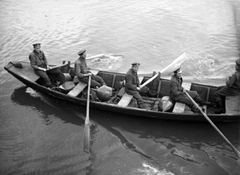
176	90
234	81
132	81
81	68
38	59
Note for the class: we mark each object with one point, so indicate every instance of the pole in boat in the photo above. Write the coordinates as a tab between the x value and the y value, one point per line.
214	126
86	145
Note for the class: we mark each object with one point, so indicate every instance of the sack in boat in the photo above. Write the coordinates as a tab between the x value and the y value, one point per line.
68	85
104	93
93	94
16	64
165	104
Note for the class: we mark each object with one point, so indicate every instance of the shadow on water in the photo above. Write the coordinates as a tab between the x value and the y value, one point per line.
38	101
184	144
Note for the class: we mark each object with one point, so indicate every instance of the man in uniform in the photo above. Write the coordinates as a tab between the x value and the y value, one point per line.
232	88
132	85
40	65
177	92
83	73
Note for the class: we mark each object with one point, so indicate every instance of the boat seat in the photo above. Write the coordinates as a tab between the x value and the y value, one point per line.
180	107
80	86
126	98
232	104
77	89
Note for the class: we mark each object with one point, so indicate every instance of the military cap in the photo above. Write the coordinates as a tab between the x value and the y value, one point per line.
178	70
36	44
135	64
81	52
238	62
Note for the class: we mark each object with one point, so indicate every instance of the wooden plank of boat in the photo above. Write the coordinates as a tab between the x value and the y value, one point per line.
126	98
77	89
180	107
26	71
232	104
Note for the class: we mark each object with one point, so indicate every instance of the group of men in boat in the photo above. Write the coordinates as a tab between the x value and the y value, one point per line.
40	65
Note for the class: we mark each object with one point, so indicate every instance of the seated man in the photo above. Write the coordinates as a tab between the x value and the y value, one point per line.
177	92
232	88
40	65
82	71
132	85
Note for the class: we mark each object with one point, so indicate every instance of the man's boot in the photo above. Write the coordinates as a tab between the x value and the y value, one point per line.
194	109
151	94
220	108
201	102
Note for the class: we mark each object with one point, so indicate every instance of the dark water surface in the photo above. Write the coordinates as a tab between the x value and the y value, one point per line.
41	135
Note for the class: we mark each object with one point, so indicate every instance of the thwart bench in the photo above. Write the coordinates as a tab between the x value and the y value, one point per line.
232	104
126	98
80	86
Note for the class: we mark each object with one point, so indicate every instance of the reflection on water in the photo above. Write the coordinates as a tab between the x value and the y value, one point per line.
159	148
163	143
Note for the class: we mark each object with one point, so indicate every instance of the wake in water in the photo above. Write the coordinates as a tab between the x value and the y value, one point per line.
106	62
150	170
204	68
32	92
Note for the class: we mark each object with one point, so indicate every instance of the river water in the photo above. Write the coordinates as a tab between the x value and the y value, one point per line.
41	135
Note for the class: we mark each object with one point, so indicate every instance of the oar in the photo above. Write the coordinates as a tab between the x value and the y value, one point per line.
236	16
95	56
58	66
176	63
215	127
86	140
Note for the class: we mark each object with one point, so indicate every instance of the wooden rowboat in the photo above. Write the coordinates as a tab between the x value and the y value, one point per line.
26	75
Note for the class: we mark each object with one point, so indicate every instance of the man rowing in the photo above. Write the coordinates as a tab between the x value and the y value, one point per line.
231	88
83	73
177	92
132	85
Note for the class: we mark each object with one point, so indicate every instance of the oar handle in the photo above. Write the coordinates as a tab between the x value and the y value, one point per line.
214	126
149	80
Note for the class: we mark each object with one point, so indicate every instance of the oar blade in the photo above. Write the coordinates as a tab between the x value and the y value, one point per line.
175	64
86	146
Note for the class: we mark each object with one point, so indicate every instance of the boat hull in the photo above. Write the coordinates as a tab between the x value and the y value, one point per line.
26	77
